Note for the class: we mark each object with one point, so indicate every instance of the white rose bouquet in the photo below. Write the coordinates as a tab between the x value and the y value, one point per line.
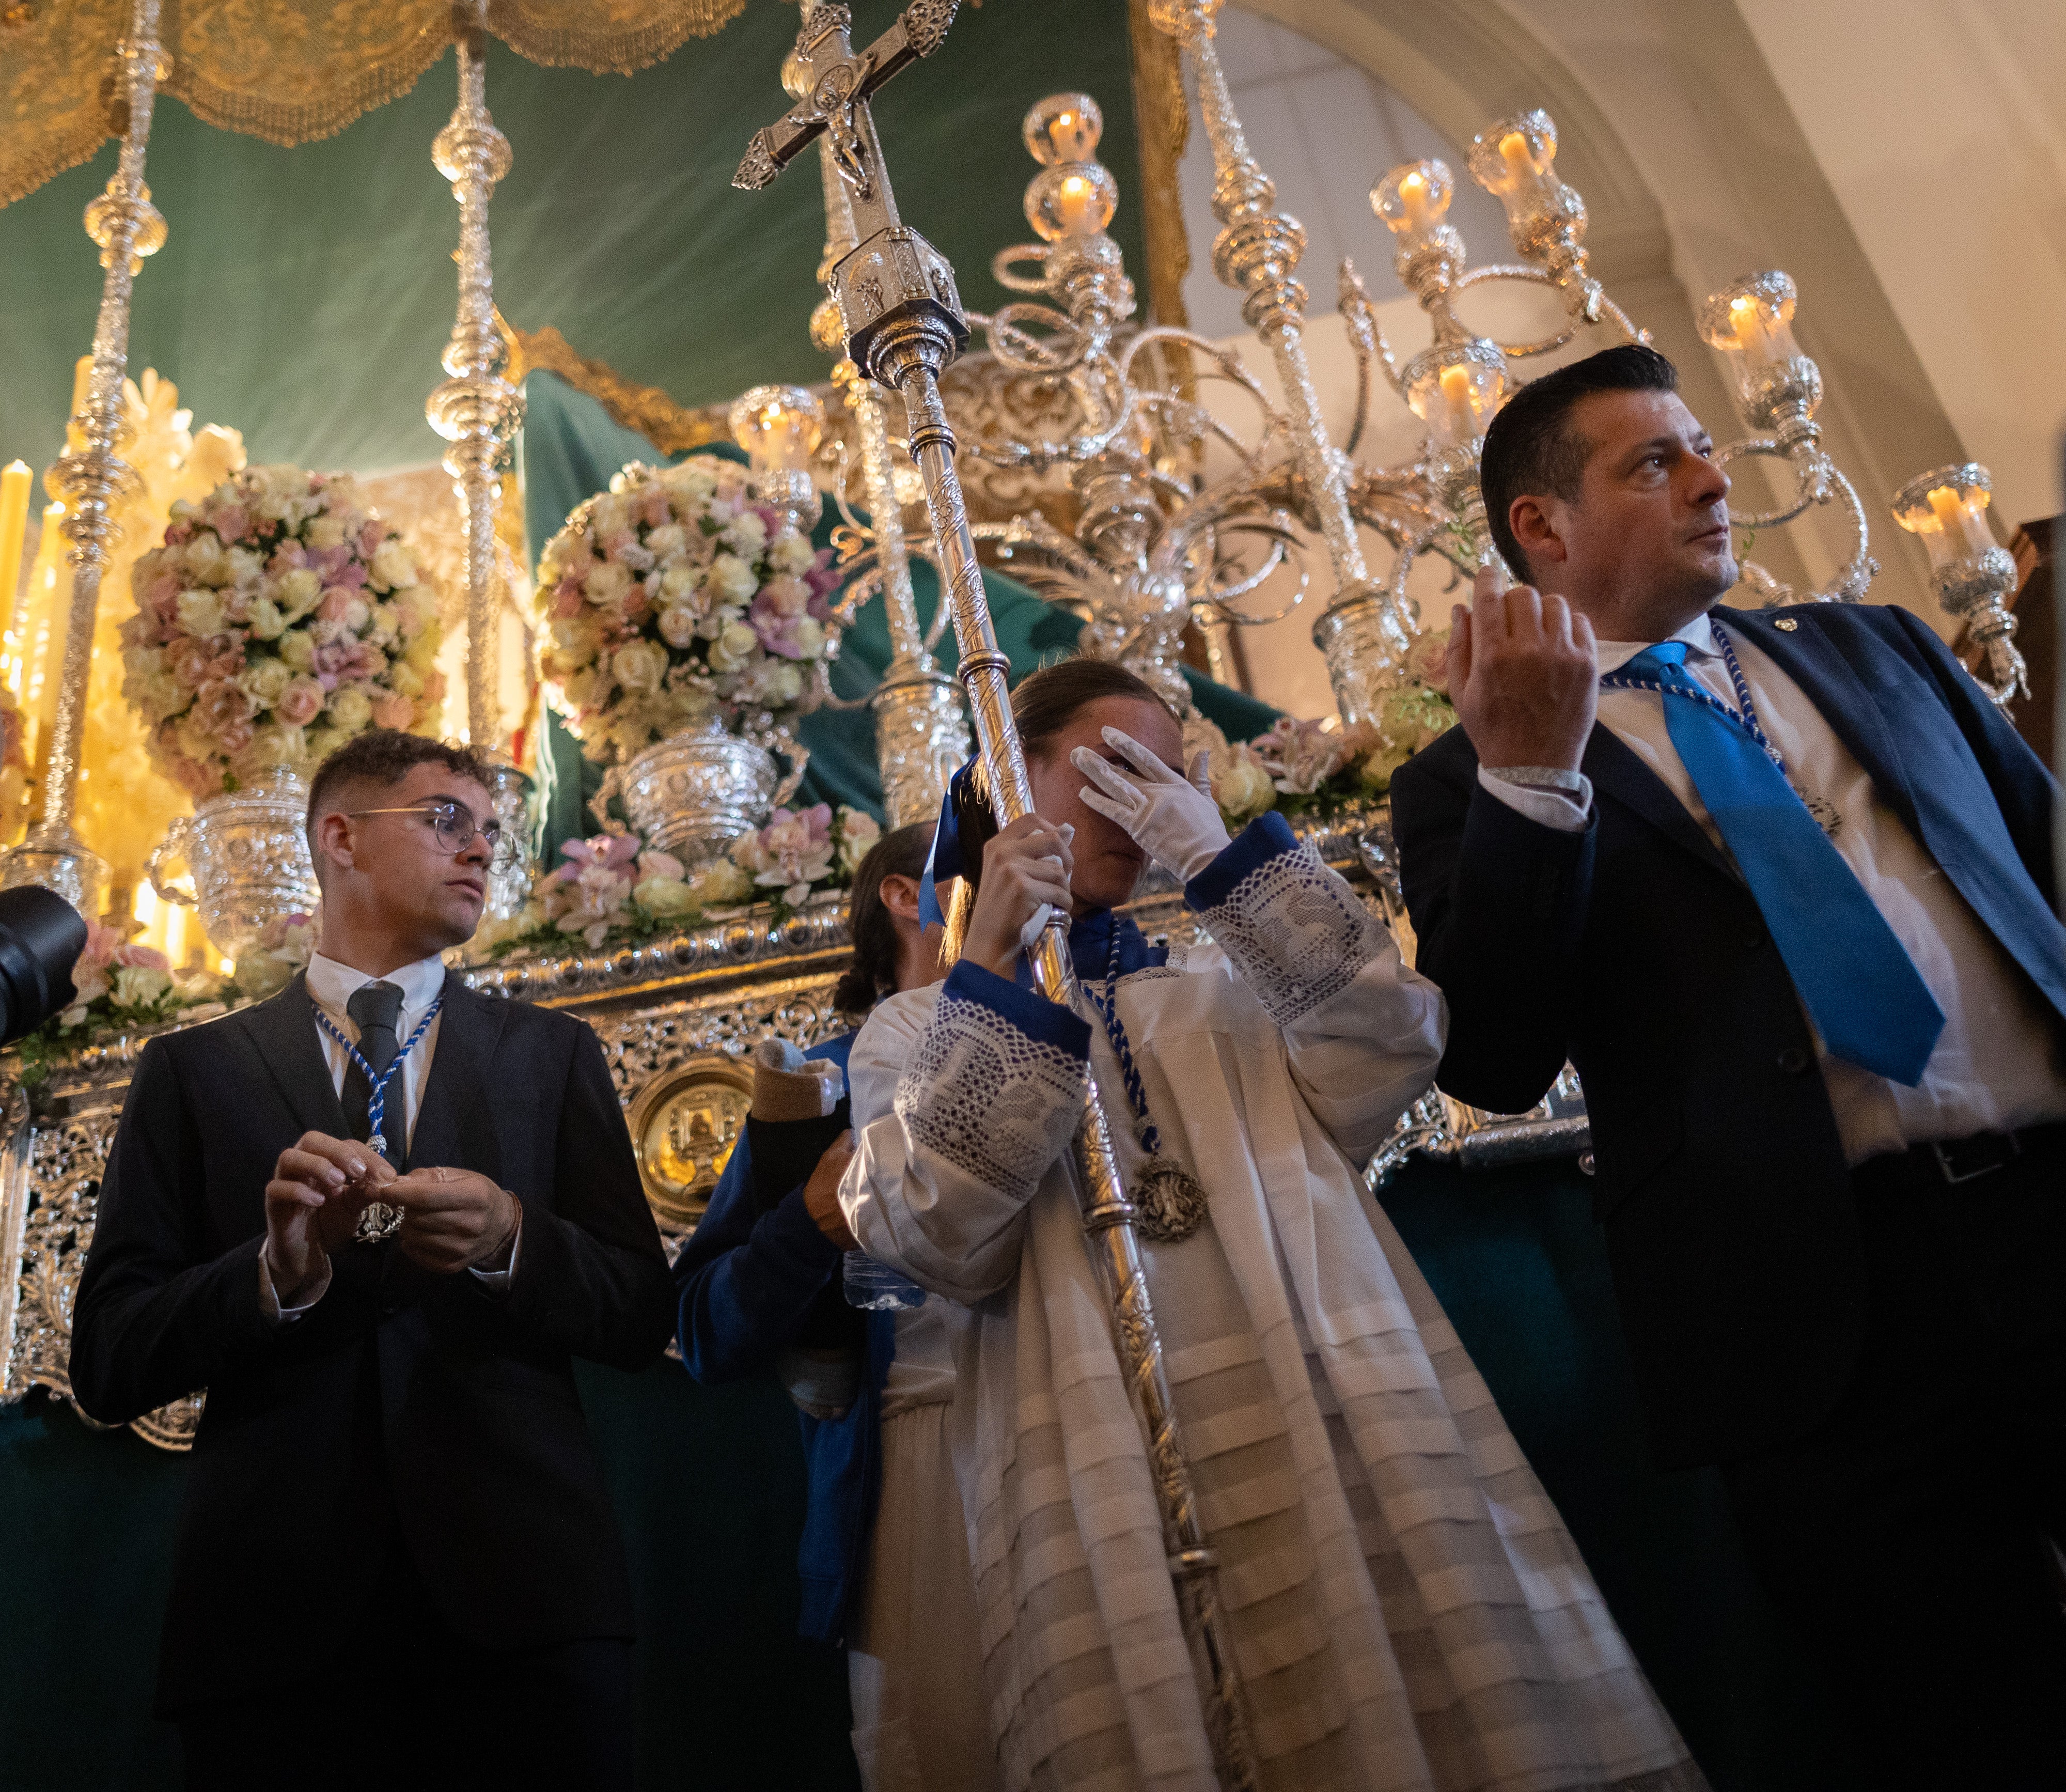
278	618
673	599
1304	768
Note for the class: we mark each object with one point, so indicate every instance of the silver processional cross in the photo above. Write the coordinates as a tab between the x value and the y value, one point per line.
904	325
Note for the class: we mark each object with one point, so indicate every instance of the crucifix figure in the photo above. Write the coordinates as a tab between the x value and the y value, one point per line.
904	325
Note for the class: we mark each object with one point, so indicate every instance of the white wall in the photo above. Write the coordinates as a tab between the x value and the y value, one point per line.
1938	125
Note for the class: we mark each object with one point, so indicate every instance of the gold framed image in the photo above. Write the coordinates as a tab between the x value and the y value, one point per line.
684	1124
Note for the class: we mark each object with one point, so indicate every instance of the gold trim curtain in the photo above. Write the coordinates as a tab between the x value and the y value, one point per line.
288	70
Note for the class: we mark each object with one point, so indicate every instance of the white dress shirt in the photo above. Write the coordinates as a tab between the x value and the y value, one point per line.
331	987
1995	1066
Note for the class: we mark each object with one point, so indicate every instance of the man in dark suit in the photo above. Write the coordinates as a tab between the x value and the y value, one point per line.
1779	884
396	1564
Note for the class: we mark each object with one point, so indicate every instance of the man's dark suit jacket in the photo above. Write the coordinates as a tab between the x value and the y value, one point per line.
1634	949
403	1397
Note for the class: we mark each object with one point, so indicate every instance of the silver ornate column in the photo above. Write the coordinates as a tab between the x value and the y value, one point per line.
128	227
478	411
1363	634
920	732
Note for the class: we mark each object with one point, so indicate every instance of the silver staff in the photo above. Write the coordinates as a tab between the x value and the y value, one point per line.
904	325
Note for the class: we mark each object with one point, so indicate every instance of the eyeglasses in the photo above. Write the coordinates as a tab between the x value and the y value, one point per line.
454	827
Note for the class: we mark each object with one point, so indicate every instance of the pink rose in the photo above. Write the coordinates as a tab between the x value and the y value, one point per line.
223	703
287	558
336	601
391	711
235	737
300	703
230	522
567	598
433	687
370	536
189	661
653	506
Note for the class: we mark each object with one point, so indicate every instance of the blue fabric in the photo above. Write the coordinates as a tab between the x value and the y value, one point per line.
1090	950
746	1281
1032	1014
1859	986
1265	838
943	857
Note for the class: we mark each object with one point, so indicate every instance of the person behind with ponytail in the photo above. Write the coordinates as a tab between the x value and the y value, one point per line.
1406	1608
760	1281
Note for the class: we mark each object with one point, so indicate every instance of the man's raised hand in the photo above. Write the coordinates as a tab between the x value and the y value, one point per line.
1522	676
320	1186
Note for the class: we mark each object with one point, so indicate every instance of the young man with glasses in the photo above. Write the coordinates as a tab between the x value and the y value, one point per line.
375	1217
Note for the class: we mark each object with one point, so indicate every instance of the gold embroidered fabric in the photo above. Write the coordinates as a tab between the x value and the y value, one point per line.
56	58
1163	117
289	71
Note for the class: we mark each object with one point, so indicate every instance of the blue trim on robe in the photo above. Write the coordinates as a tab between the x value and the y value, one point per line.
1265	838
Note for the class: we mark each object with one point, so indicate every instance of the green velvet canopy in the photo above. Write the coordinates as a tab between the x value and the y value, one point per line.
304	295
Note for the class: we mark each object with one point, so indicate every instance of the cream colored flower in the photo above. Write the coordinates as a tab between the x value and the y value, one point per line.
720	883
667	542
297	592
730	579
733	648
791	553
264	680
298	648
607	583
1241	785
206	561
324	534
138	985
200	613
246	566
350	709
394	566
665	897
745	533
640	666
677	623
404	678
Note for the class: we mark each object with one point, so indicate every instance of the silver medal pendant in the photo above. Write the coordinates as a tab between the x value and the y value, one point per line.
1168	1203
378	1222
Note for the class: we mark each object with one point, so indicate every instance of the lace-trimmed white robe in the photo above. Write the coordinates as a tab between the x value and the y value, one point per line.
1409	1611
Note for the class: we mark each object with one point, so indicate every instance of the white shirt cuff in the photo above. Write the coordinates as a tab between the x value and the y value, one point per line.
269	1298
496	1281
1554	809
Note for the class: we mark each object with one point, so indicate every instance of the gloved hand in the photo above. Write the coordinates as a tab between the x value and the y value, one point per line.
1177	821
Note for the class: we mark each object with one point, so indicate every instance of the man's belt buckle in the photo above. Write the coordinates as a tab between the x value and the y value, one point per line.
1949	1156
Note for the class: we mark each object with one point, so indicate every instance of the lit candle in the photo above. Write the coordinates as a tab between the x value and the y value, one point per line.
1413	197
1456	396
1961	522
14	491
1072	204
1061	130
1514	151
1746	323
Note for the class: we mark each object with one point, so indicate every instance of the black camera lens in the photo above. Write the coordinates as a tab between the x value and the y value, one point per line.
41	938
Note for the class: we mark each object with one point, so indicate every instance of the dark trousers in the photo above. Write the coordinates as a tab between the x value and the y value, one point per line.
407	1703
1912	1538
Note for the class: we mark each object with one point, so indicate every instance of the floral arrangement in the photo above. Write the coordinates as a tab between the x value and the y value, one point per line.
672	600
119	986
278	619
1306	768
611	886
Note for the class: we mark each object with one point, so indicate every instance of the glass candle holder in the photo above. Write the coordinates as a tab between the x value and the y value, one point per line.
1071	199
1514	160
1753	325
1064	127
1947	507
1455	388
780	427
1414	198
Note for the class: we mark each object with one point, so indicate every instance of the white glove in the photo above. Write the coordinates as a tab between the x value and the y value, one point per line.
1176	820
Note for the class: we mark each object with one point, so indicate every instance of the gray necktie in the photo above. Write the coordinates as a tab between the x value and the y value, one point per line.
376	1008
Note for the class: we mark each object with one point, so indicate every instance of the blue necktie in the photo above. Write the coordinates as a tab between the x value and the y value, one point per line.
1857	983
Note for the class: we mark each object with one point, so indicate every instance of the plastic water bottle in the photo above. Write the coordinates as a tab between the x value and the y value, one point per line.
876	1288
